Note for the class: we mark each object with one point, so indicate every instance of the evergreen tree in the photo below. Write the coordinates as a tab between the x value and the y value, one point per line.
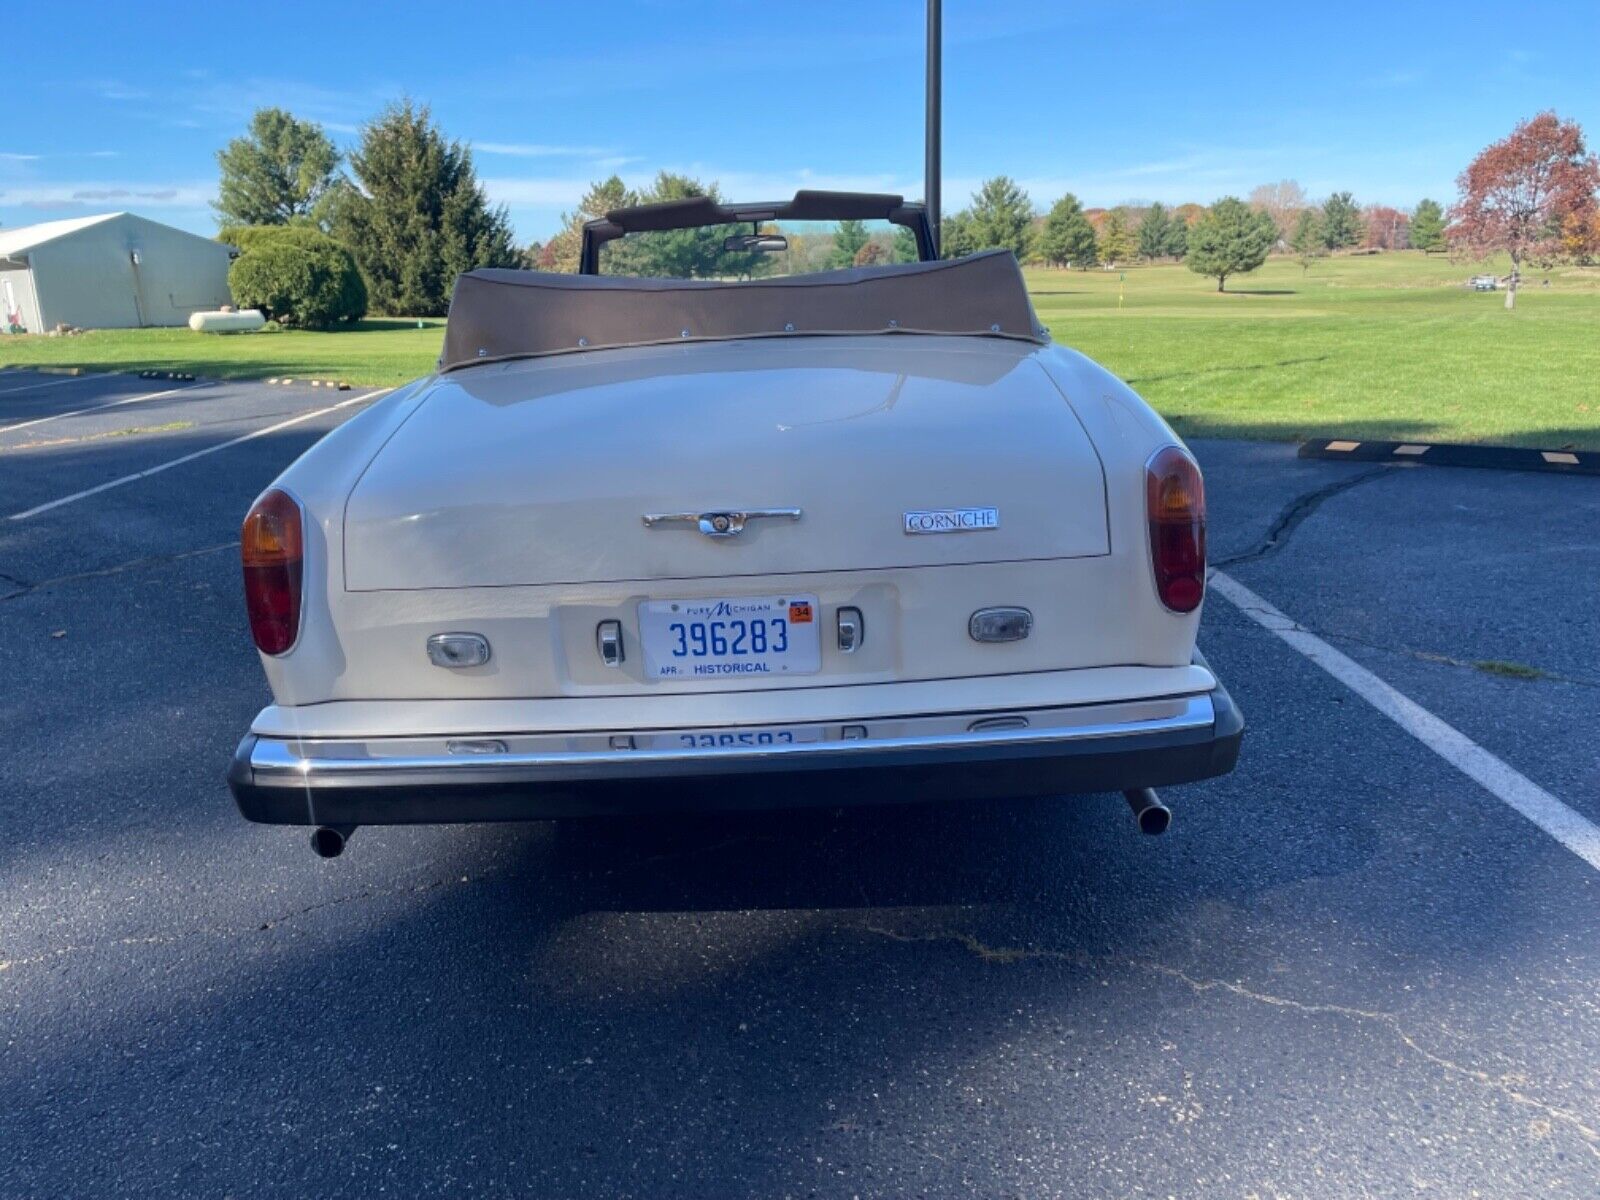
418	216
1427	226
905	245
848	238
1002	216
1067	238
278	172
1177	237
1154	231
1231	239
1116	240
1307	239
956	235
1341	221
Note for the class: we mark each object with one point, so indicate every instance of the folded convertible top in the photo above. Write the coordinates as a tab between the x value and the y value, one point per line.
498	314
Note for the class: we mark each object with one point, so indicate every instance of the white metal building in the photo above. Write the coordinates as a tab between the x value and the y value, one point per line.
114	271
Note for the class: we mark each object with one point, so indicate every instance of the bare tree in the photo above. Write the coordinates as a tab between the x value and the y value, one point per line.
1283	202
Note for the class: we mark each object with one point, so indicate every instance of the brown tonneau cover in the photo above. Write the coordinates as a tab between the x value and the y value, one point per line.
499	314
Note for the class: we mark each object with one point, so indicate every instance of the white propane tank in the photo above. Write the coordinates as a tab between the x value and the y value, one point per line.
227	322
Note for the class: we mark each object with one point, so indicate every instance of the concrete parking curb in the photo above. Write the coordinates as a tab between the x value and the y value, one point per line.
1445	454
336	384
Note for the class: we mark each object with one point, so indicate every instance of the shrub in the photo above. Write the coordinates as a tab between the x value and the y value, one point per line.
296	275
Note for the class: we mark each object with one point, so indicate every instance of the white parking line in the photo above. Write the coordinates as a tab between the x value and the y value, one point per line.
76	412
1573	831
34	387
178	462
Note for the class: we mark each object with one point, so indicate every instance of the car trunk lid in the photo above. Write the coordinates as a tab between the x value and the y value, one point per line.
544	472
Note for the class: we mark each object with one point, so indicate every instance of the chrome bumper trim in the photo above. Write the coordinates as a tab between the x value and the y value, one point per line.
333	763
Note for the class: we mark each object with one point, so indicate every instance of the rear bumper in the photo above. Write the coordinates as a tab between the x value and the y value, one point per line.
985	755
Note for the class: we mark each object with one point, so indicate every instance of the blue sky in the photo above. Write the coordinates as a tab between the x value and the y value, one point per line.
122	106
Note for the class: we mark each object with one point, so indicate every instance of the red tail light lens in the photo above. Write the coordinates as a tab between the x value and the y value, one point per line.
1175	502
272	545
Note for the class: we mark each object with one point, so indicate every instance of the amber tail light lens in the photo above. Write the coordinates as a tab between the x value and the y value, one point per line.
272	546
1175	503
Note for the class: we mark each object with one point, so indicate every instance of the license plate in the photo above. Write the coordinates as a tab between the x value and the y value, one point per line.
718	739
748	637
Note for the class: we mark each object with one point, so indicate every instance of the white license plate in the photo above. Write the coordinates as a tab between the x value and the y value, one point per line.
721	739
749	637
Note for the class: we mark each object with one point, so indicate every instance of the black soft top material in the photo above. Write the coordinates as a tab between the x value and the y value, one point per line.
498	314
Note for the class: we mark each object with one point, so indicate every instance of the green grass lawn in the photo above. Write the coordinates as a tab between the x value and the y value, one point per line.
1388	346
375	352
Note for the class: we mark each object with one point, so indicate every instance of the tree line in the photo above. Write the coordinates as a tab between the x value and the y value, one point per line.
1278	216
1534	195
325	237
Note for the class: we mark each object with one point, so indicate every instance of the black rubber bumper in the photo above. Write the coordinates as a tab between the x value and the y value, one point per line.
831	779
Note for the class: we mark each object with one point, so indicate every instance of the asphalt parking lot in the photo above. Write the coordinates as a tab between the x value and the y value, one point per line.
1349	970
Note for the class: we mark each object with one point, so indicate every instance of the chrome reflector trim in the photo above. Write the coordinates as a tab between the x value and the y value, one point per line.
455	650
1000	624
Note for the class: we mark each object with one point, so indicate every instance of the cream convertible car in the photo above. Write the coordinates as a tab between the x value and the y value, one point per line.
641	544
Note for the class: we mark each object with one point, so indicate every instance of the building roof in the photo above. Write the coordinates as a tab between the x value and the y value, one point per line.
25	237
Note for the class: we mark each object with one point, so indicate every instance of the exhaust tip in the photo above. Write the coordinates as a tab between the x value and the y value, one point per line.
327	841
1153	817
1155	820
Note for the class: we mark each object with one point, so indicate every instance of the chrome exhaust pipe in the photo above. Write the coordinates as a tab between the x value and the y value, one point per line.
1152	815
327	841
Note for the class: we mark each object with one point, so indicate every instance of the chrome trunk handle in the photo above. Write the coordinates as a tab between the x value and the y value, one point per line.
721	523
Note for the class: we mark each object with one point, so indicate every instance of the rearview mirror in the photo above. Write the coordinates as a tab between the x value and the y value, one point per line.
759	243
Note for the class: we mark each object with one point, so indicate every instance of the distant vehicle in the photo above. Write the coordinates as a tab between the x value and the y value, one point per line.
1483	283
670	543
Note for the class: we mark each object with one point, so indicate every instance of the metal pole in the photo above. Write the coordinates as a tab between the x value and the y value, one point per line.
931	165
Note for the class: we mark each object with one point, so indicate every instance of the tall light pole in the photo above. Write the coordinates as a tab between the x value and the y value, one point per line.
931	165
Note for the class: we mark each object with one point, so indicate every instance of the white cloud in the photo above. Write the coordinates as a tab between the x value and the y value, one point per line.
116	90
10	156
538	193
103	195
538	150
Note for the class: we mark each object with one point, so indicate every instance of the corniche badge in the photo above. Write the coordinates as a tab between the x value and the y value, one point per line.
952	520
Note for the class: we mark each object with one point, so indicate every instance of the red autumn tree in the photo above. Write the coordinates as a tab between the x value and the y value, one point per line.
1517	193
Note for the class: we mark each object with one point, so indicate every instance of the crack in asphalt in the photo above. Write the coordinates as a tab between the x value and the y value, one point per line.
1507	1085
25	588
1297	510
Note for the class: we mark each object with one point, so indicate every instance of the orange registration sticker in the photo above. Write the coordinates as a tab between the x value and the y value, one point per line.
800	613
